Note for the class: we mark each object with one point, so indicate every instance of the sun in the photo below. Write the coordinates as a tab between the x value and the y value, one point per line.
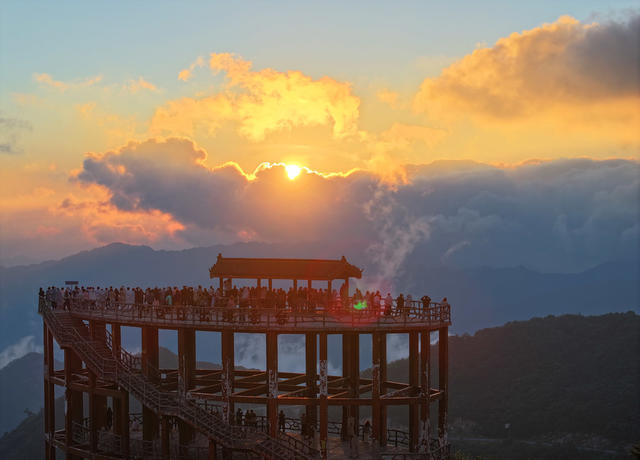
292	171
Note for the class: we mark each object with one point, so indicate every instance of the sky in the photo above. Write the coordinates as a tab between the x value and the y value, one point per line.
462	128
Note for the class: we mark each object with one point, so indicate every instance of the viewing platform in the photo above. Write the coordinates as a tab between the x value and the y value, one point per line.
206	405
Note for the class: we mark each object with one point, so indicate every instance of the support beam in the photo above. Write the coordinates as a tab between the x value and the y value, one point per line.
346	374
324	407
97	403
186	374
213	449
49	395
414	366
166	437
228	365
150	363
74	400
376	387
272	382
116	339
311	361
443	377
121	420
425	384
383	389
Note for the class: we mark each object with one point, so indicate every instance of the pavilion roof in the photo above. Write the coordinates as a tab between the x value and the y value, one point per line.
301	269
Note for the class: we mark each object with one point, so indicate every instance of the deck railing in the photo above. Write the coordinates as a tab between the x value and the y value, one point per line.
433	313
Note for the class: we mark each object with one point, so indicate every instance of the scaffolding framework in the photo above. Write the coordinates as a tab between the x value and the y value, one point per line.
201	402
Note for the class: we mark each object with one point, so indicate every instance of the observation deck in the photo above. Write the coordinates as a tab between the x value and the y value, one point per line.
202	403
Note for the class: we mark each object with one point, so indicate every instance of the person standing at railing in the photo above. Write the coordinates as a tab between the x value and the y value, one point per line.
400	305
281	421
388	304
426	301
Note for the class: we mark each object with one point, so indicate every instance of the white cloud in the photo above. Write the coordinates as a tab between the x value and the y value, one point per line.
19	349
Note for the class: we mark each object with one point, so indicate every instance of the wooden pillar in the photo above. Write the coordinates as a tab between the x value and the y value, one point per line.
186	372
150	362
213	450
270	284
311	361
309	286
346	374
166	438
383	388
414	381
425	384
376	338
329	296
272	382
324	387
259	283
443	377
228	366
121	420
295	285
49	395
354	375
74	399
221	284
116	340
97	403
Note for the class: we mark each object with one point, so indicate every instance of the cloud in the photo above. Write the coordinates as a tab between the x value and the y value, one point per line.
11	130
572	214
47	80
565	63
141	84
18	350
391	98
261	102
186	74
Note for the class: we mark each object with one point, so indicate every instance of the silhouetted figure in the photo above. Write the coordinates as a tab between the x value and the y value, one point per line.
281	420
109	418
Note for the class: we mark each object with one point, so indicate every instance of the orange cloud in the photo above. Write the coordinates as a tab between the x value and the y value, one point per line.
565	63
388	97
261	102
47	80
186	74
141	84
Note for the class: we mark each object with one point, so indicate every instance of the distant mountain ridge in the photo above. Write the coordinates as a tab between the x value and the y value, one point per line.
480	297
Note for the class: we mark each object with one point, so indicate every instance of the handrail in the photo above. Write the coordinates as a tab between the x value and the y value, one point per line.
249	316
124	366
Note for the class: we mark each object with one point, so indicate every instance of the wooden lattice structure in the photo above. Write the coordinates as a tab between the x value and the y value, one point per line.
202	401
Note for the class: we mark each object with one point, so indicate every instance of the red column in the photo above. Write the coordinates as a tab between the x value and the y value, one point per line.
383	388
376	387
311	361
425	384
74	399
272	382
443	377
150	361
49	394
186	372
324	407
228	365
414	365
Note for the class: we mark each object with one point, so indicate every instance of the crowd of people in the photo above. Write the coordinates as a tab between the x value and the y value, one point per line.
298	300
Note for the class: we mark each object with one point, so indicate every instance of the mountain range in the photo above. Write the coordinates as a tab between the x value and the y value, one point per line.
480	297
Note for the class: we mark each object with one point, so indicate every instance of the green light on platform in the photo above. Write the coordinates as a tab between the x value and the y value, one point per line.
360	305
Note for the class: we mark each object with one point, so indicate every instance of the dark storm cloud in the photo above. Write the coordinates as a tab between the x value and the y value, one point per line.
558	215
